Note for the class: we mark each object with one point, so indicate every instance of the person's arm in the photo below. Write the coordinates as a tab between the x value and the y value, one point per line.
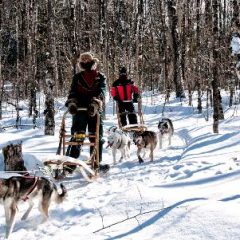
72	102
72	96
102	87
114	91
136	95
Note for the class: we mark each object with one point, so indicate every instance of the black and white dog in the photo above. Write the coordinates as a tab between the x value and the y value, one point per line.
118	140
27	188
145	140
165	127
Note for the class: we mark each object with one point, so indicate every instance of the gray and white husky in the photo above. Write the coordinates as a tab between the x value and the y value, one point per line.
165	127
27	188
145	140
118	140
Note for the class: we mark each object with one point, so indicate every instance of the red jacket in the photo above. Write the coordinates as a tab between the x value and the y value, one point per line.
123	89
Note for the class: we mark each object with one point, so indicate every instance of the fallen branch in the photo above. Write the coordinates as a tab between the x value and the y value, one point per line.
130	218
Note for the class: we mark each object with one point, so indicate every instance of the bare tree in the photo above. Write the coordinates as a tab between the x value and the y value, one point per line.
174	45
215	63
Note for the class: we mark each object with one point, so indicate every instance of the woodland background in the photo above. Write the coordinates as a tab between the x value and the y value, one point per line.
167	46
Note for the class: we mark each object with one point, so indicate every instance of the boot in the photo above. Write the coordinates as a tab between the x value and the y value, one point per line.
74	152
104	168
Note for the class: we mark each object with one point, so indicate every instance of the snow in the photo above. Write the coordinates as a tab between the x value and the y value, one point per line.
190	190
235	45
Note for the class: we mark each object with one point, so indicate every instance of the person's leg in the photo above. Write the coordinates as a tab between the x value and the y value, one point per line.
132	117
79	124
121	109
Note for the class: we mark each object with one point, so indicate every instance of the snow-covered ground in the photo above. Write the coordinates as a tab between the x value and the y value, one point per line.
191	190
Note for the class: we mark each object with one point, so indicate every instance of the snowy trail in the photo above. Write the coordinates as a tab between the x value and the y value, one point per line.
190	190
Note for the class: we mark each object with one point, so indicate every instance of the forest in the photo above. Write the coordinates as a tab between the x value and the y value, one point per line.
166	45
184	59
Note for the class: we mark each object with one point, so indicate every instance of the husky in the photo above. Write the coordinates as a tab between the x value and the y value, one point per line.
144	140
165	127
118	140
28	188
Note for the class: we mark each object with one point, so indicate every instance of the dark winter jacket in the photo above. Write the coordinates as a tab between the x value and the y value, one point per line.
85	86
123	89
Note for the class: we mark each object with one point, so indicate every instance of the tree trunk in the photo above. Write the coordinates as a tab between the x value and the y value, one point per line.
138	55
199	106
215	82
174	41
31	58
13	159
1	57
49	110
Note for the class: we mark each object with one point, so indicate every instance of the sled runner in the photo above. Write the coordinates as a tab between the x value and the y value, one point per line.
62	165
140	127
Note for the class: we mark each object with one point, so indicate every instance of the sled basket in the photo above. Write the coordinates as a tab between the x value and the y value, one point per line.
139	127
134	128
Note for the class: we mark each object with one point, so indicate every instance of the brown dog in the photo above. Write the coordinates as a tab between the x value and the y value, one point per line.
144	140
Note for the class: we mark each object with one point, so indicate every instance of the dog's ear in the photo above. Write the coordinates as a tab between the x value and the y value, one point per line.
112	128
161	123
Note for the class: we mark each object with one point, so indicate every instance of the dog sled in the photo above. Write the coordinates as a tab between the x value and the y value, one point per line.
139	127
61	165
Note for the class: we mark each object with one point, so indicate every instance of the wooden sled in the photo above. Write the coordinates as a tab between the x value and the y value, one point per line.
58	166
140	127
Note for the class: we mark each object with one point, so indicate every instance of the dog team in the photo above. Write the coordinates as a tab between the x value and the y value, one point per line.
144	140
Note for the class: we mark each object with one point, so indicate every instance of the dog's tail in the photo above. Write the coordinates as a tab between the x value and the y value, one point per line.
59	197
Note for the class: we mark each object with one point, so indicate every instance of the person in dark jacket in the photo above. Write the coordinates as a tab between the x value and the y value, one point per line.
125	93
86	84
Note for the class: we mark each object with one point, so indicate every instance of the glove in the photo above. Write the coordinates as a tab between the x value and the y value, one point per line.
116	98
71	100
72	108
136	98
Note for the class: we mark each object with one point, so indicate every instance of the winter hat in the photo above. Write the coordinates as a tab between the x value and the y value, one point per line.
122	71
86	58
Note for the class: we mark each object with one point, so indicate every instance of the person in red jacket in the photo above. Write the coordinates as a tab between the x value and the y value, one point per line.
125	93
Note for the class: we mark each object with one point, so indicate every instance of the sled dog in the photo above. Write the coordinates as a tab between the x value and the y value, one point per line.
145	140
118	140
27	188
165	127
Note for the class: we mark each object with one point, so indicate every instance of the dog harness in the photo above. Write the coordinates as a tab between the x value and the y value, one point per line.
30	190
110	144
